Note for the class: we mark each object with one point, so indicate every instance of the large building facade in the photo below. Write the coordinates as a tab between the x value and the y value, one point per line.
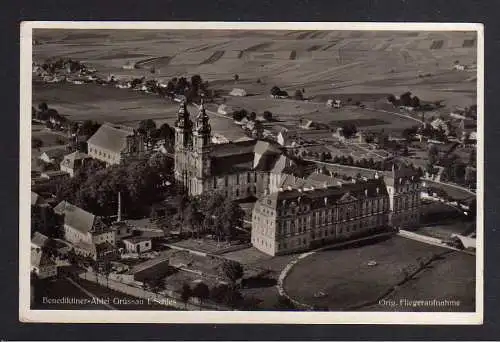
293	220
237	170
296	209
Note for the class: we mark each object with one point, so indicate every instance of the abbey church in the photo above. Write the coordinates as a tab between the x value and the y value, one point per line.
297	206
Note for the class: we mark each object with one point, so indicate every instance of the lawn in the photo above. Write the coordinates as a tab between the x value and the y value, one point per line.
452	279
342	278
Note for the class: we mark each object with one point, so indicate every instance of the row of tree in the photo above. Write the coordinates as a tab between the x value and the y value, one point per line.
141	181
406	99
210	213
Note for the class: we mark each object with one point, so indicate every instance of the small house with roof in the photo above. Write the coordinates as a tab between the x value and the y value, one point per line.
112	143
39	240
73	162
52	156
42	264
137	244
86	232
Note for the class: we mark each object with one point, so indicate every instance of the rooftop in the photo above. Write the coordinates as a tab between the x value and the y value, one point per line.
111	137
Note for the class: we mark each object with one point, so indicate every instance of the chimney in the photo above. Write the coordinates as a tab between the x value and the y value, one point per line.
119	214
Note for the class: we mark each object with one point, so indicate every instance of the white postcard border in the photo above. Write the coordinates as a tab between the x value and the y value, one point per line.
251	317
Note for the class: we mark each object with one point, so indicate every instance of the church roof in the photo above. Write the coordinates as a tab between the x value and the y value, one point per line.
111	137
76	217
69	159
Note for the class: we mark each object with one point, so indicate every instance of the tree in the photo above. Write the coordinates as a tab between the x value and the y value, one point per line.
196	82
267	115
415	102
231	270
298	95
391	99
433	154
252	116
36	143
89	127
43	107
405	99
349	130
201	291
275	91
186	293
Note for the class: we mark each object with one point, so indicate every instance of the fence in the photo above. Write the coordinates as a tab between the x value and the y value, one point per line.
167	298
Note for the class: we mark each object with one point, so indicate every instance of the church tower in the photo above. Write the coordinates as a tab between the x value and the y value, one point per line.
201	149
183	144
403	186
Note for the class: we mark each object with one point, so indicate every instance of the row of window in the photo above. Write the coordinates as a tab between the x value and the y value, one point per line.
238	177
100	153
291	228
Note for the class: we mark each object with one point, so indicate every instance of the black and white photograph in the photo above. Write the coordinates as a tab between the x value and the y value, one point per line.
251	172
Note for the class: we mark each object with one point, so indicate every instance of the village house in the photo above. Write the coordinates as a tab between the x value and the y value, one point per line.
73	162
137	244
54	174
112	143
87	233
238	92
37	200
39	241
42	265
52	156
287	138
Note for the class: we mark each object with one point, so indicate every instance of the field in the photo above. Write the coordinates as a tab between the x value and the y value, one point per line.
125	106
362	66
341	279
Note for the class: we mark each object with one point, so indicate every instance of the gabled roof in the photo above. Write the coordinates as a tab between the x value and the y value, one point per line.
69	159
39	240
54	153
76	217
111	137
318	197
137	239
39	258
36	199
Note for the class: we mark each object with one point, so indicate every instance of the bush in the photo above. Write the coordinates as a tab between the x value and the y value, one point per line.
267	115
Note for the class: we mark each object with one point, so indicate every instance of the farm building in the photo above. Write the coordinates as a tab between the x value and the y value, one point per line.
112	142
52	156
42	265
54	174
287	138
85	231
72	162
238	92
39	240
224	109
137	244
331	103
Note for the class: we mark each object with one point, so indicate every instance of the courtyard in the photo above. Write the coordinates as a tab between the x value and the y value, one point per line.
358	276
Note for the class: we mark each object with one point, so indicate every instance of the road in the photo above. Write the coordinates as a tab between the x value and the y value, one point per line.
430	241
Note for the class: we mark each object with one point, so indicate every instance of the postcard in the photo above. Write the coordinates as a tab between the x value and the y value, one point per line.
237	172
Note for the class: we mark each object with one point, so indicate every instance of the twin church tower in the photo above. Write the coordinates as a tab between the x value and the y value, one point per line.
192	148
